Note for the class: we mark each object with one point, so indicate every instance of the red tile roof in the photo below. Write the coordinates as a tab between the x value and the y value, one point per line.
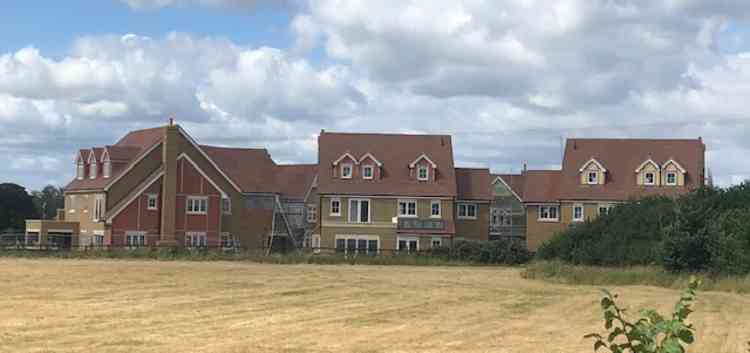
252	169
396	152
294	181
128	149
516	182
474	184
541	186
621	157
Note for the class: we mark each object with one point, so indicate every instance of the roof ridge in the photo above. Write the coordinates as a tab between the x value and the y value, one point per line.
383	134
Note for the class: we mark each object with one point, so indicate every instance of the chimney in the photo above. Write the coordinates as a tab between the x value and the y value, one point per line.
171	121
524	168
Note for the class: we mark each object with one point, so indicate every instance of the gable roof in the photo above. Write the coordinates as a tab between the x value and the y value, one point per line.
251	169
647	162
128	149
295	180
515	182
622	157
473	184
421	157
541	186
593	160
396	152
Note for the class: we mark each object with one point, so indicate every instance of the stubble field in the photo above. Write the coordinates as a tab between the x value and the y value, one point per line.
50	305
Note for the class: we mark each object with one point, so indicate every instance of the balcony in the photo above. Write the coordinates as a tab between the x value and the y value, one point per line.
425	225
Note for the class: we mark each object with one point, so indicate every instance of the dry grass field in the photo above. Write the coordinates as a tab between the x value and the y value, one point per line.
52	305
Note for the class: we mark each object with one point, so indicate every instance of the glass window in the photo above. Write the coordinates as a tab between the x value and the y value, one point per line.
312	214
335	207
548	213
359	211
423	173
577	213
435	209
671	178
437	242
226	205
407	208
197	205
367	172
650	178
152	203
346	171
593	178
467	210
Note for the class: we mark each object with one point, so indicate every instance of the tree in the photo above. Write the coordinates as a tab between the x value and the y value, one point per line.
16	206
47	201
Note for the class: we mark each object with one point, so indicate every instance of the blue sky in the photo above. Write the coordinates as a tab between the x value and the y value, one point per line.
507	79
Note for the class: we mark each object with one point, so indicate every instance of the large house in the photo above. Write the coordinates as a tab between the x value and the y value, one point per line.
598	174
159	187
368	193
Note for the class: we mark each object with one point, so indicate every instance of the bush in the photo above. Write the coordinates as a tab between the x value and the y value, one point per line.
490	252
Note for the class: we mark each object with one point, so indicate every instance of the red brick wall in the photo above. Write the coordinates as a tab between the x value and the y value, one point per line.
137	217
190	182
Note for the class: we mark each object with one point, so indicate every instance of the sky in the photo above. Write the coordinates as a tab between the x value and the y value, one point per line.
510	80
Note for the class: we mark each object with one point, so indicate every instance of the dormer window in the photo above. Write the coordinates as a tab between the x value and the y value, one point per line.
593	178
92	171
648	173
423	174
80	170
107	169
671	178
367	172
346	171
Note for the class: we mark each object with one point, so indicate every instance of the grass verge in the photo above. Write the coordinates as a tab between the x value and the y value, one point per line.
559	272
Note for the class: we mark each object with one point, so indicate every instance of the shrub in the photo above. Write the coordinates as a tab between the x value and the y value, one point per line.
490	252
652	333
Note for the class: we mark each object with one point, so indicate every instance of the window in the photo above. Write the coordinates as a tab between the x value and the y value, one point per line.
335	207
671	178
548	213
649	179
593	178
195	240
226	205
135	239
359	211
312	213
316	243
423	173
407	208
357	244
99	208
367	172
578	213
81	171
227	240
152	203
437	242
467	211
409	245
98	241
92	171
107	171
197	205
435	209
605	209
346	171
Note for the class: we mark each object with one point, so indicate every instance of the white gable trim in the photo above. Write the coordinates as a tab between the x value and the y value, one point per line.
211	161
507	186
184	155
672	161
132	165
421	157
369	155
92	155
123	205
347	154
80	158
105	155
643	165
593	160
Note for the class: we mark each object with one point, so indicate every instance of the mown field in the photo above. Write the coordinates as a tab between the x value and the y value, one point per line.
52	305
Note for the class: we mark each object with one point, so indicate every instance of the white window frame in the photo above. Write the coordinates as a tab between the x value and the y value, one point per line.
407	203
192	209
344	167
372	171
139	236
226	205
439	241
609	208
464	208
596	177
357	238
406	239
226	241
312	213
155	199
93	170
359	211
196	239
583	213
542	217
99	207
335	214
426	173
666	178
645	178
107	169
439	209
